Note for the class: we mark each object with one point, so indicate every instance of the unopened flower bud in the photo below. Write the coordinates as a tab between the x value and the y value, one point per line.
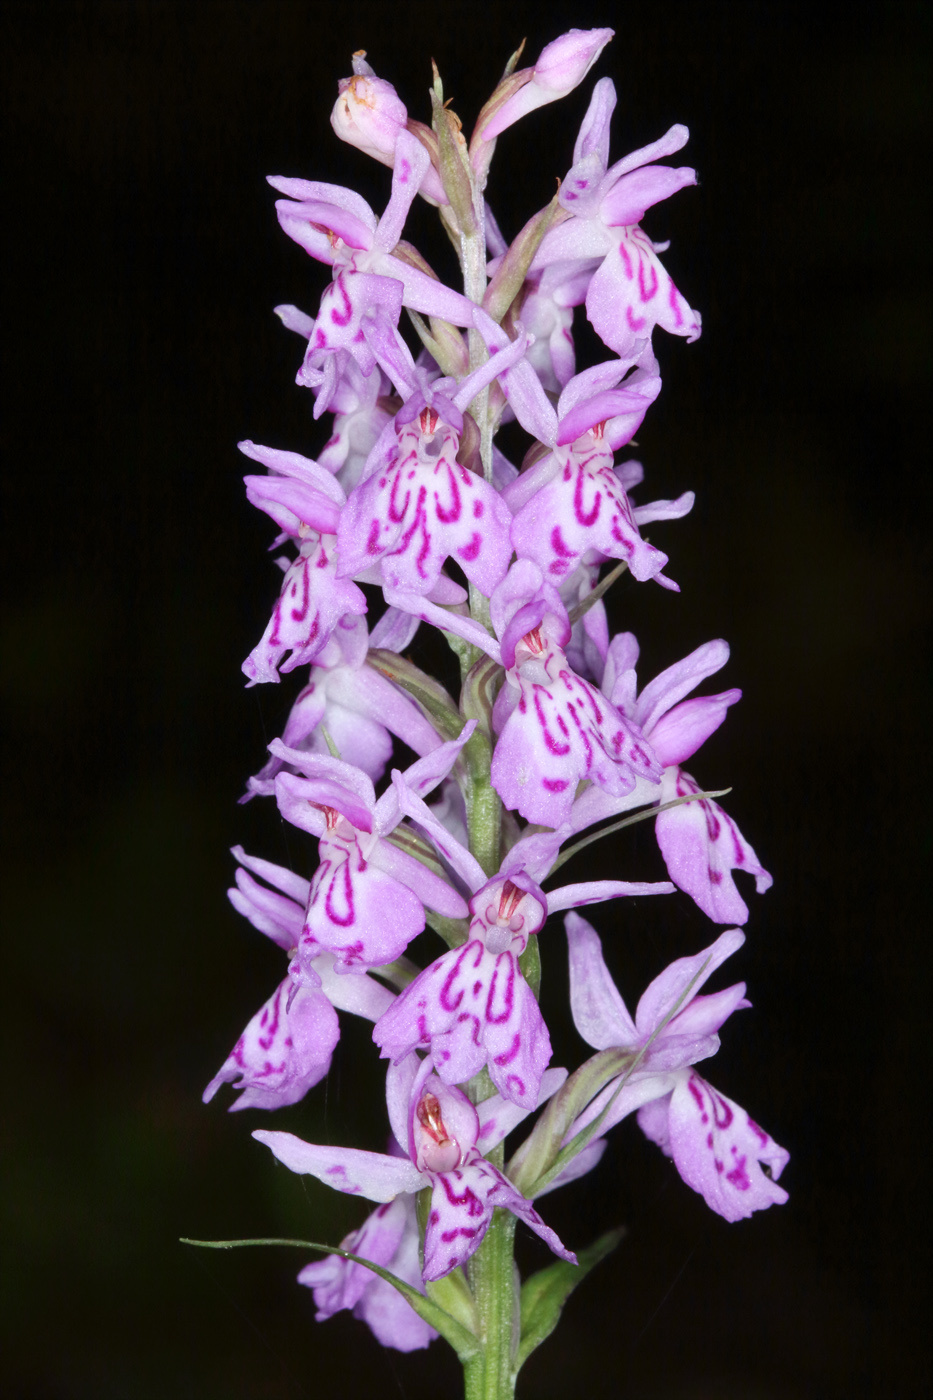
561	67
369	114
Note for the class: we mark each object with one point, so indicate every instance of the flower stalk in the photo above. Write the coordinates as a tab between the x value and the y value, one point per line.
551	745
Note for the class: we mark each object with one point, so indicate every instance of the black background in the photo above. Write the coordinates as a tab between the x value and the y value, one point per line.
143	261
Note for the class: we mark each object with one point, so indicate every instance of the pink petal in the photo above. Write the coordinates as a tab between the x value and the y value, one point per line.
369	1174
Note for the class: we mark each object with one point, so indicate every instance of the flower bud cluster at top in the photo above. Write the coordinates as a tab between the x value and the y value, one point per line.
411	515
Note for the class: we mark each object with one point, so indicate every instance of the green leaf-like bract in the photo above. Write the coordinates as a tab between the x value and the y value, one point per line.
464	1343
544	1294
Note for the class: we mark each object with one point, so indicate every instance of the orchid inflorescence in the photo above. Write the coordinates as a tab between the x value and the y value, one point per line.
411	499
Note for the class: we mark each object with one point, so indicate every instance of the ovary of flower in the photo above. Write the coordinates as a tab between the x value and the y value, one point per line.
412	514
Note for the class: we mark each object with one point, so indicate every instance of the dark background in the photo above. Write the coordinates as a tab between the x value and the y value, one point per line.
143	262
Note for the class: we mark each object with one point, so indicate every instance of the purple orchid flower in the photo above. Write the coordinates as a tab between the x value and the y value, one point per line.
716	1147
305	502
336	226
286	1049
555	729
367	897
443	1137
416	505
472	1007
700	843
573	500
354	703
390	1237
601	250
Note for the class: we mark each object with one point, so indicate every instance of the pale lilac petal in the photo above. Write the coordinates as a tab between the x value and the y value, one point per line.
558	735
520	384
535	854
575	248
294	320
498	1116
295	886
619	680
444	1124
356	787
631	196
701	846
582	508
692	1035
430	889
292	464
672	141
284	1051
423	776
678	734
410	165
425	294
594	129
512	1200
329	783
347	1169
465	627
292	504
664	510
663	994
718	1150
620	1102
312	221
677	681
278	917
595	891
597	379
498	363
625	406
337	195
528	483
367	697
599	1013
400	1081
420	511
364	996
393	354
395	631
347	305
457	856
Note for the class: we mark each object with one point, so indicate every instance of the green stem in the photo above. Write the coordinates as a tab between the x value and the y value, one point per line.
490	1374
